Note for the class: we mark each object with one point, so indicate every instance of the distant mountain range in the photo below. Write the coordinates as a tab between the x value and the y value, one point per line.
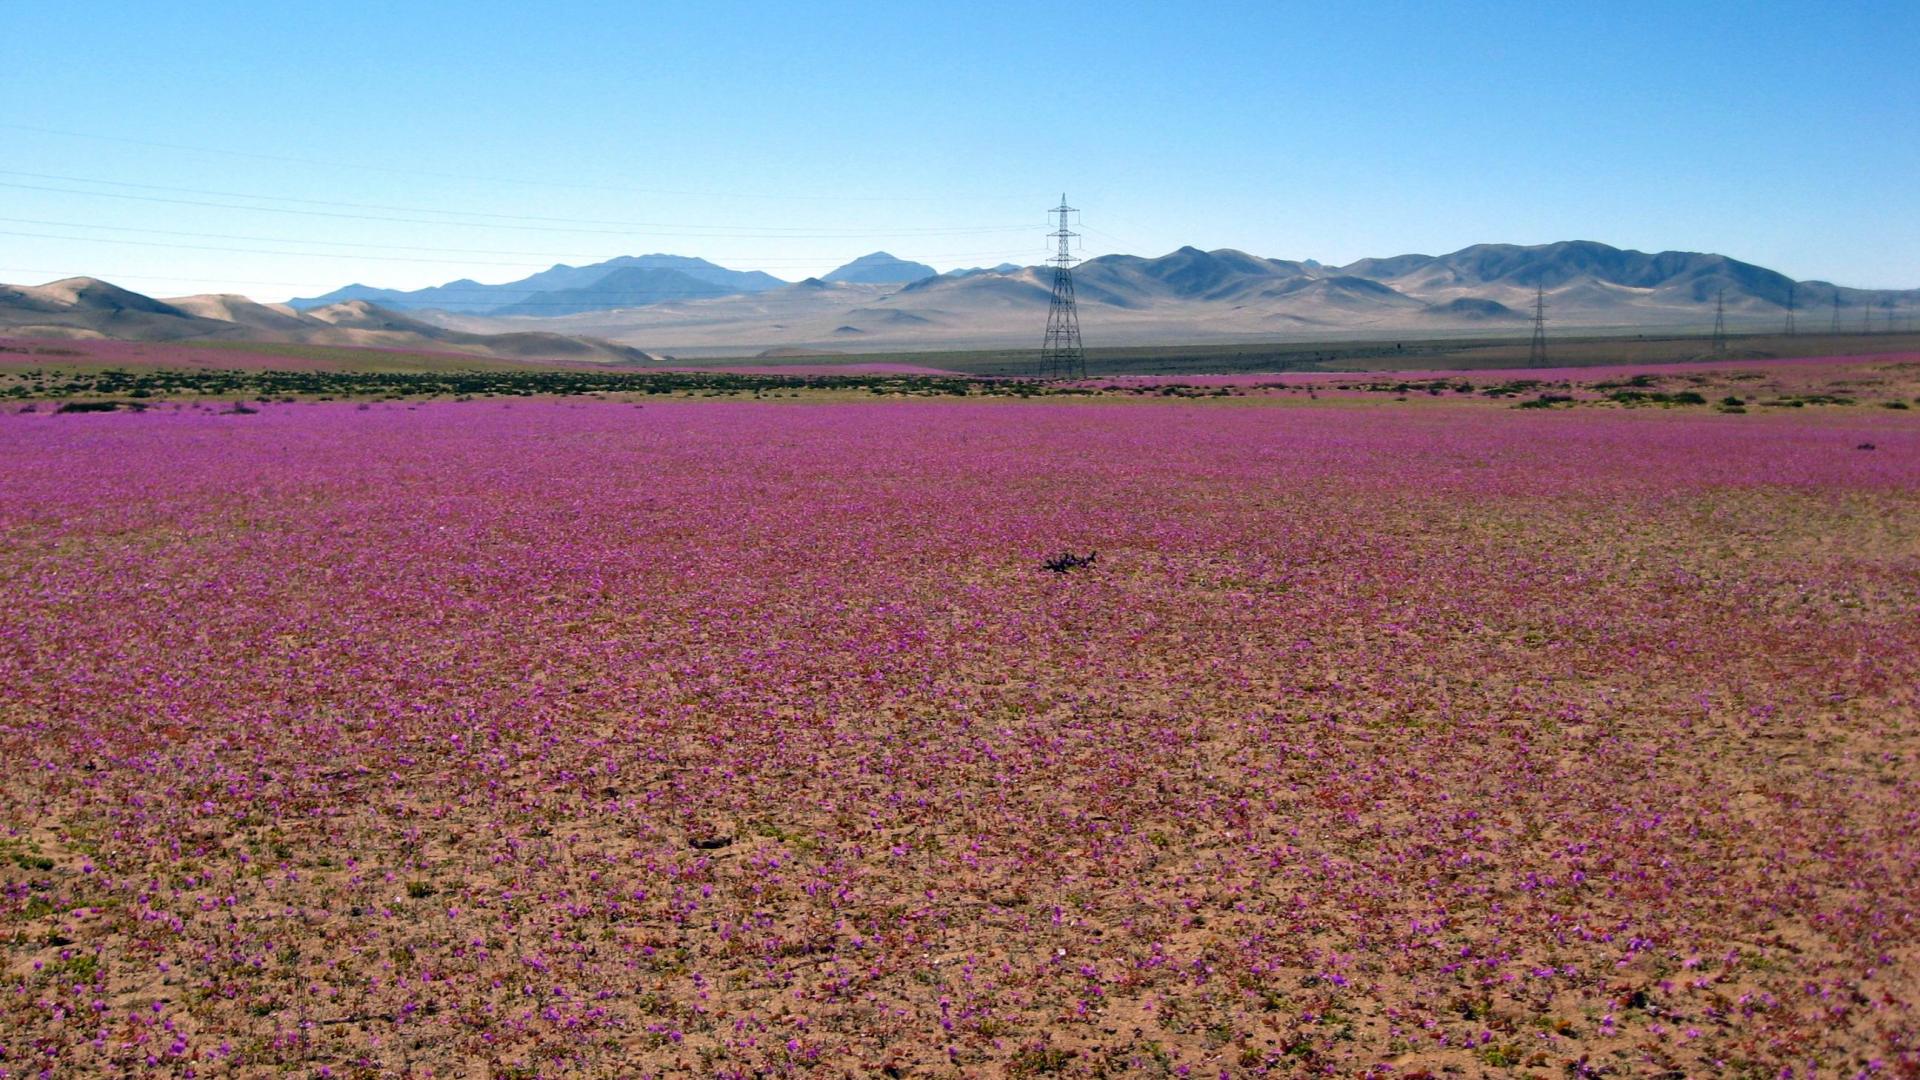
1003	268
880	268
628	281
625	282
1191	295
690	307
90	308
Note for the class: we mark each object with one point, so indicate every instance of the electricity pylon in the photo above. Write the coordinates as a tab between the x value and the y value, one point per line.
1537	350
1061	355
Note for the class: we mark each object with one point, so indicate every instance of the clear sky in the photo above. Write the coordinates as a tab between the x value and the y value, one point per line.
281	150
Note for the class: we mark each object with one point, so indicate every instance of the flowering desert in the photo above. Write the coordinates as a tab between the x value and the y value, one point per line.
590	737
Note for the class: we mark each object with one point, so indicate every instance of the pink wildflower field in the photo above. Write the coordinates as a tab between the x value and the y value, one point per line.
822	369
727	738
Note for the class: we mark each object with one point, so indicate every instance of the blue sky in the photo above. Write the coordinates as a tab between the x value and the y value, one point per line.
282	150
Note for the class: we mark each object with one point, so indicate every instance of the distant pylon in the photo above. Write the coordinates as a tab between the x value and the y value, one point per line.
1790	291
1720	322
1537	350
1836	312
1866	317
1061	356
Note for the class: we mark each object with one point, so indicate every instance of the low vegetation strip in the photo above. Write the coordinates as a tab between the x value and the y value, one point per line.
137	384
1884	382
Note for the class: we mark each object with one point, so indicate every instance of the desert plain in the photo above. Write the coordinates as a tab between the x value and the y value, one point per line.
1400	724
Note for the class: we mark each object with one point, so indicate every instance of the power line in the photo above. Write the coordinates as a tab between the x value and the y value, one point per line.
1122	241
1132	227
471	177
302	254
655	228
61	274
440	293
455	251
337	204
255	251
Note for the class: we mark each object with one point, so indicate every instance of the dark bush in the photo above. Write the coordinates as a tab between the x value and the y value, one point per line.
1067	561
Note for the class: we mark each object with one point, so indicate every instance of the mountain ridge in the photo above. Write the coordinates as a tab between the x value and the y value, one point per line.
1189	295
880	268
471	297
1182	296
620	282
629	286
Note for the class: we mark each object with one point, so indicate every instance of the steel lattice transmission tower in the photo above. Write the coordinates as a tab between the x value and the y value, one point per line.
1537	351
1791	287
1720	322
1061	355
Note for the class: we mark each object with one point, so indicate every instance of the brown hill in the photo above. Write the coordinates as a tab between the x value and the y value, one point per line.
90	308
87	307
230	308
